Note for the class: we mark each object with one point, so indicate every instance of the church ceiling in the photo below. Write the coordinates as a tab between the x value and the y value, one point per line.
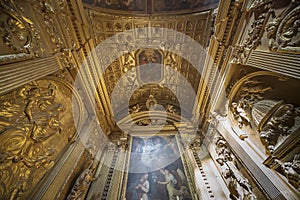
138	61
135	82
153	6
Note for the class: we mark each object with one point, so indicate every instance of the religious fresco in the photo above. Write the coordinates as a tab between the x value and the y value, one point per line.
137	5
156	171
151	6
150	68
170	5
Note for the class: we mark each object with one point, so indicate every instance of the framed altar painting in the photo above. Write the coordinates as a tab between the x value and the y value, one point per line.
156	171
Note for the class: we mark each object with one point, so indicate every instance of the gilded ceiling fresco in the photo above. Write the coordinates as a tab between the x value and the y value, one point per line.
171	73
152	6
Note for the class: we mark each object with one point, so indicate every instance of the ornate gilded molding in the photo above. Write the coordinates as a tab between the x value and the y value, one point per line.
39	29
61	46
46	10
208	193
123	71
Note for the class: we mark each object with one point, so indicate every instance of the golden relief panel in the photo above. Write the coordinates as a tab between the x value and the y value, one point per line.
106	25
254	90
36	125
283	30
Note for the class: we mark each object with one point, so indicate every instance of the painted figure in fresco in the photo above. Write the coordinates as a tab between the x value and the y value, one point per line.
165	179
149	56
150	69
140	188
170	182
174	186
137	146
159	191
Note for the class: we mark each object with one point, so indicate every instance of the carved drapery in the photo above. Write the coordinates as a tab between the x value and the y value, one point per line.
35	125
291	169
279	126
238	186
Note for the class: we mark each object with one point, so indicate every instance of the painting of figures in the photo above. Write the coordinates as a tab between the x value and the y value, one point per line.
156	171
150	66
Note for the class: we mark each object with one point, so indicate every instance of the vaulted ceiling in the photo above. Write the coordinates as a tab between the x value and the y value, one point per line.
153	6
149	49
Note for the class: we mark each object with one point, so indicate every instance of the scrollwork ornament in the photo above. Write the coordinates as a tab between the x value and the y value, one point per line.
283	31
46	10
261	11
18	32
